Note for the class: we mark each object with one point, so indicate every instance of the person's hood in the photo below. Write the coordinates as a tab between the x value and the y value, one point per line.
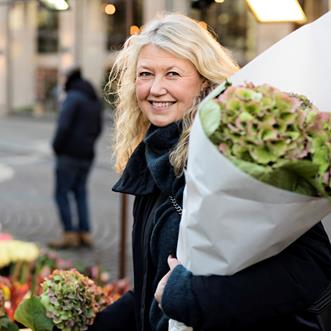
75	82
84	87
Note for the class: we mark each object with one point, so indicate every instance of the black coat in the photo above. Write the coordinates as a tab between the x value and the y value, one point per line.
263	297
79	123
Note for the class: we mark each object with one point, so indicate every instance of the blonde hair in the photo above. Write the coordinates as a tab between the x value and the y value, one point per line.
185	38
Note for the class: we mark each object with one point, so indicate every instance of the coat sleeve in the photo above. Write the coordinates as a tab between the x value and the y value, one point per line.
278	286
65	122
119	316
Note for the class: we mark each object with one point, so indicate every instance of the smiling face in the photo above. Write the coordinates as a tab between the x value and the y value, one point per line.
166	85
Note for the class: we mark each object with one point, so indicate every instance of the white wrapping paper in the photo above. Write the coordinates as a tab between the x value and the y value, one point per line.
230	220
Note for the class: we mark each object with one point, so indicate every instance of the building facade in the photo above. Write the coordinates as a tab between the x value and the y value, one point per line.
37	44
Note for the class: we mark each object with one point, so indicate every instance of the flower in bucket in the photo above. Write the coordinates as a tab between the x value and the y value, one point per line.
279	138
69	301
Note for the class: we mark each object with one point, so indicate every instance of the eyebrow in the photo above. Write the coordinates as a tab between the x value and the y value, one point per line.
166	68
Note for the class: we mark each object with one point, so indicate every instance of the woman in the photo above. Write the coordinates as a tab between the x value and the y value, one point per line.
162	73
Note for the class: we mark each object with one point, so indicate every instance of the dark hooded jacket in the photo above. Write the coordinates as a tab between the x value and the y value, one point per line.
80	120
265	296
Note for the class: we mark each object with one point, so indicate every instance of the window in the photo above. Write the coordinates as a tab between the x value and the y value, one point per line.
48	30
116	23
229	20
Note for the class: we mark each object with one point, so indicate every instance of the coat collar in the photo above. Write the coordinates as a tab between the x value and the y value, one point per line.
148	169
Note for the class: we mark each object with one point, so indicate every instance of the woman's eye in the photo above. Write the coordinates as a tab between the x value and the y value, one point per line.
144	74
173	73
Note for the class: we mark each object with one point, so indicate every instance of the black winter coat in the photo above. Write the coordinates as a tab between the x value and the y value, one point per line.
80	122
263	297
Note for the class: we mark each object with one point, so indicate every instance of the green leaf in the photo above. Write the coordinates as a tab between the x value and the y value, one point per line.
250	168
32	314
306	171
294	176
288	180
210	116
7	325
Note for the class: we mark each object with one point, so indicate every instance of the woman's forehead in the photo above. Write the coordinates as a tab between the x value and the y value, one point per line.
151	55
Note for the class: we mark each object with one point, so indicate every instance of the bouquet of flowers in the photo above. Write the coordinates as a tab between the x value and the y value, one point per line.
269	155
259	159
69	301
279	138
265	183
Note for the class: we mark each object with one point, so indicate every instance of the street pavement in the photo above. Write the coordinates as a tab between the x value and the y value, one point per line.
27	209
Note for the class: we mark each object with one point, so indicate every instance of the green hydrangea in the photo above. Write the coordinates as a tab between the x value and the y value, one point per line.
266	131
71	300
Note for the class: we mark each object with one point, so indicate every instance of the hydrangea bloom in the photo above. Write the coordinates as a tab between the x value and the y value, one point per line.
71	300
276	137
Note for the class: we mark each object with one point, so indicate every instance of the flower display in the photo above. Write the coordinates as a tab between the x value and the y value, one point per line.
42	291
12	251
69	301
279	138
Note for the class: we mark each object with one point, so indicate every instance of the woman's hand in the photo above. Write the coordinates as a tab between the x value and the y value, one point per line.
172	262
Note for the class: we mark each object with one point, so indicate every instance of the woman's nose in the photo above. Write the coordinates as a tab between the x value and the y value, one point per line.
158	87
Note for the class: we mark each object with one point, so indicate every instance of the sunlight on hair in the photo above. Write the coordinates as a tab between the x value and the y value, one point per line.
203	24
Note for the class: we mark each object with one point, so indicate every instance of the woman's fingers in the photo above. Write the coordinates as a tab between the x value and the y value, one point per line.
172	262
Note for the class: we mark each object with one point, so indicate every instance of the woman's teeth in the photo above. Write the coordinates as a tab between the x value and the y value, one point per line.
161	104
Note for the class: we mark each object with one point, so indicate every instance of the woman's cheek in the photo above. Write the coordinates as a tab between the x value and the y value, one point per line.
142	90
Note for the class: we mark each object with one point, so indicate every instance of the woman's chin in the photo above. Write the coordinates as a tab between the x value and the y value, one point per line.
161	123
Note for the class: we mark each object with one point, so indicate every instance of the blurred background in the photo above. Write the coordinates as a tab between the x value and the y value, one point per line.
39	40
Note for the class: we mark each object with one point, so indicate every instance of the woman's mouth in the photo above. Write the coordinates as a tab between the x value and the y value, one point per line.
161	104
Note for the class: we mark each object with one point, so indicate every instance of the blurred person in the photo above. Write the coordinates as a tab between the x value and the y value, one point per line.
79	125
163	73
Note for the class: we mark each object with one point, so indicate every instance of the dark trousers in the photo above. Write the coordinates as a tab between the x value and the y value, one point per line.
71	181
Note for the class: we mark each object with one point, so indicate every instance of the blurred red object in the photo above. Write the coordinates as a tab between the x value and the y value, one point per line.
5	236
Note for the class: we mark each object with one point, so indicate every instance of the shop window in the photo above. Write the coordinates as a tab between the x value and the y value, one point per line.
229	21
116	23
48	30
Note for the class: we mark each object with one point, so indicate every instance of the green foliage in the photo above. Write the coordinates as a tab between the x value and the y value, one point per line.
7	325
32	314
210	117
69	301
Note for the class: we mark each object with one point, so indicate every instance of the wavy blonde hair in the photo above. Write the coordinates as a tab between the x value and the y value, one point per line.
185	38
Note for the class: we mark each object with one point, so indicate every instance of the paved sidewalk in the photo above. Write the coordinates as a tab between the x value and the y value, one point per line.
27	209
